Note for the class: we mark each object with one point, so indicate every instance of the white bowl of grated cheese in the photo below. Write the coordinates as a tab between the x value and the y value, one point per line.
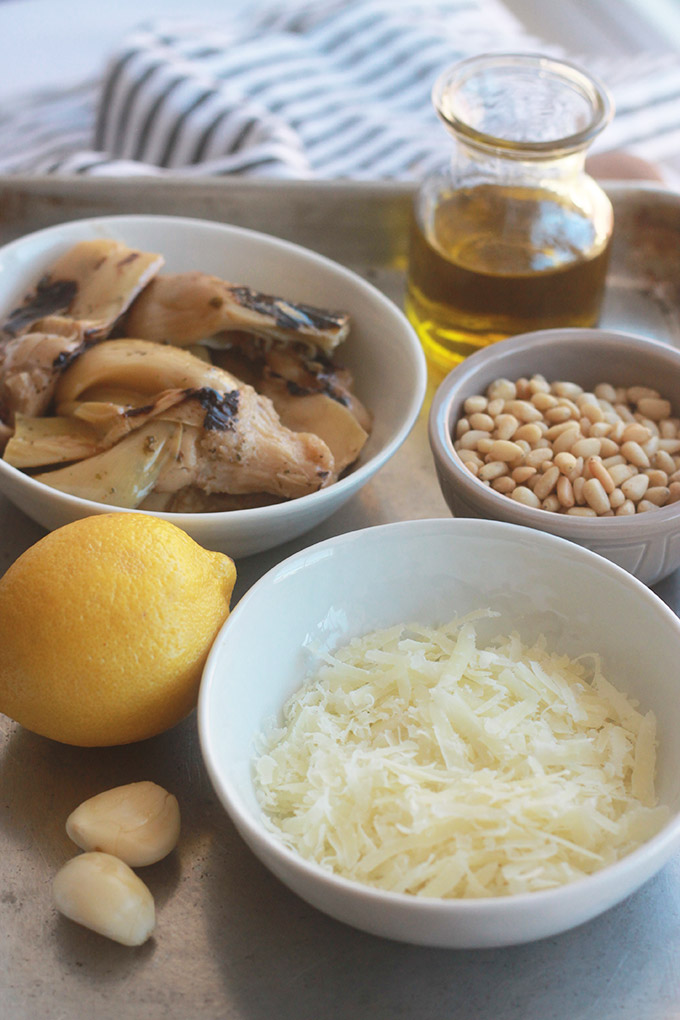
495	758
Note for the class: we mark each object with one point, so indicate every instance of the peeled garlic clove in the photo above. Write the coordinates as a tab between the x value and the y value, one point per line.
104	894
139	823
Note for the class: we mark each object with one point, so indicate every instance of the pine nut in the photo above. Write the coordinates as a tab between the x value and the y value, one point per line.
547	483
525	496
473	405
502	389
495	407
603	391
558	415
503	449
551	503
599	471
565	491
565	462
634	453
462	426
608	448
494	469
523	409
637	393
577	486
567	389
539	384
644	505
581	511
586	448
530	432
595	496
506	426
593	412
664	462
626	509
616	499
566	439
541	455
657	477
469	456
654	408
635	433
482	421
505	484
634	488
544	401
658	494
576	471
674	492
470	440
522	474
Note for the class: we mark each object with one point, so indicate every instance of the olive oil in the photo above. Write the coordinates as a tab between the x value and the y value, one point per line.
492	261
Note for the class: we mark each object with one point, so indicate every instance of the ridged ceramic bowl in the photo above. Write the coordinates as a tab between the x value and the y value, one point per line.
382	351
646	544
427	572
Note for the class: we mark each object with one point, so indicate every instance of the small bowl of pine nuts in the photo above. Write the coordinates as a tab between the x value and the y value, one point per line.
572	431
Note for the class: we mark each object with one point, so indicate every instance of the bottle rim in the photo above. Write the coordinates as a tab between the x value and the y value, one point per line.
590	88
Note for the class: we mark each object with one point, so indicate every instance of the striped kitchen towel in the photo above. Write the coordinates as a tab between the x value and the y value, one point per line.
324	89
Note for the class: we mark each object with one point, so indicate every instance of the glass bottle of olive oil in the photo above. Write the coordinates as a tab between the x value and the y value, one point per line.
514	235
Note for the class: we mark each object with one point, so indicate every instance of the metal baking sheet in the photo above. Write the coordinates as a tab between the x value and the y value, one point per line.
232	943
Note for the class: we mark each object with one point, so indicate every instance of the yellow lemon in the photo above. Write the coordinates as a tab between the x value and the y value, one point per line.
105	625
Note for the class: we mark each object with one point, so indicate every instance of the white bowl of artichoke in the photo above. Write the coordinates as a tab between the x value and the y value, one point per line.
234	383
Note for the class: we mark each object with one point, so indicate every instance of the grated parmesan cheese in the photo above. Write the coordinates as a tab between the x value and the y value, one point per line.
419	763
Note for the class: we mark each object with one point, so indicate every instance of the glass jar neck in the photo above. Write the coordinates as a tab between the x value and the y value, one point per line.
478	164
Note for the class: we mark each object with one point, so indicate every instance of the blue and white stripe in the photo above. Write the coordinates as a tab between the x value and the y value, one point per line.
328	90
